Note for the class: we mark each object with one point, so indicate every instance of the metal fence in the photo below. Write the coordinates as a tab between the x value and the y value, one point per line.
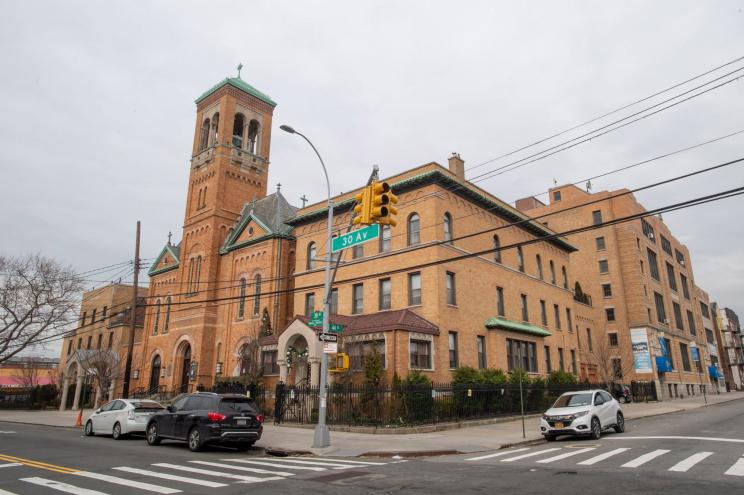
643	391
40	397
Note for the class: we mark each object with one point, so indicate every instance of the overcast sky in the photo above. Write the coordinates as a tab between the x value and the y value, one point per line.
98	107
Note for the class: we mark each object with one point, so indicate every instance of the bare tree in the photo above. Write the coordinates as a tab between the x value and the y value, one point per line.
27	374
38	299
611	364
249	362
103	365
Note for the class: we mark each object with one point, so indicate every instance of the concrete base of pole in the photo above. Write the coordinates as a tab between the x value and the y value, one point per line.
322	437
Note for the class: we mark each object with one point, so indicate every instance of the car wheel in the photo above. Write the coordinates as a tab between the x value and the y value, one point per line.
152	434
116	433
88	431
195	440
596	429
550	438
620	424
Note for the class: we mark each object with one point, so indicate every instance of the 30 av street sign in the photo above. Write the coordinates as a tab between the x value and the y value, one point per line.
355	237
328	337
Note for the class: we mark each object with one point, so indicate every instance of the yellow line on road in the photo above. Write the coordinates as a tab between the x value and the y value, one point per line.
38	464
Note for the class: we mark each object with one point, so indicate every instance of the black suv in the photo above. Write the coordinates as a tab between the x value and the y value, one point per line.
208	418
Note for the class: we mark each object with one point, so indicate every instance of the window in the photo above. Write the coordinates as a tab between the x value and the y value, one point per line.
452	343
481	348
691	322
500	301
653	265
334	302
603	267
358	352
573	362
666	245
680	257
557	316
237	135
69	347
597	217
685	357
447	227
414	235
704	310
357	251
100	340
253	128
600	243
548	363
385	287
685	288
556	195
612	339
610	314
257	295
569	320
561	364
420	351
385	237
111	340
543	313
708	336
215	127
268	361
309	304
357	297
660	310
311	253
671	277
241	299
414	289
85	317
607	290
93	316
450	286
678	316
166	324
196	274
525	314
589	343
521	355
90	341
538	263
156	324
204	137
496	249
520	259
565	277
617	368
666	350
648	230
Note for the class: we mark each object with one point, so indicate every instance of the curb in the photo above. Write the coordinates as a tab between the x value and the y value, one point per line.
17	422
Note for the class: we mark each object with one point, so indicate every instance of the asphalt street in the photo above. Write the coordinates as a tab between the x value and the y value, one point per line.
690	452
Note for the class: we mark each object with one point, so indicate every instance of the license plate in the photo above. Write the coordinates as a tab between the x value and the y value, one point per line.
559	425
240	422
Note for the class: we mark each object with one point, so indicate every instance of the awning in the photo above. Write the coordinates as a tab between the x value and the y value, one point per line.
663	364
497	322
714	372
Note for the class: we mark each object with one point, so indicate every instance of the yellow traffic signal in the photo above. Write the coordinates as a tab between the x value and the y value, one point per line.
382	210
362	208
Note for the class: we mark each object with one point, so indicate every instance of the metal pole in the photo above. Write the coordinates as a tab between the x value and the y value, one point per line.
133	322
521	403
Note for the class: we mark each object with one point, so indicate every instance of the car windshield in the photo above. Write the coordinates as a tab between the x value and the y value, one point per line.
147	405
574	400
241	405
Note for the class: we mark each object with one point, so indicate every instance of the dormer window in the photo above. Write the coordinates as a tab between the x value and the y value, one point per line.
238	125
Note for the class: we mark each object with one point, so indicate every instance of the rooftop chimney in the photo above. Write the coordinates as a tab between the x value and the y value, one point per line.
457	165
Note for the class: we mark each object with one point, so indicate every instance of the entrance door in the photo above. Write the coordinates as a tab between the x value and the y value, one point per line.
185	370
155	375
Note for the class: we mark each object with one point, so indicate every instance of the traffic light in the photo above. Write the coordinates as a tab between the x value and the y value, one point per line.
361	210
382	210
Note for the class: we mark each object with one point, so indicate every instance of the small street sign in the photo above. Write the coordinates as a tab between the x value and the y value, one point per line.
317	315
316	319
336	328
328	337
330	347
355	237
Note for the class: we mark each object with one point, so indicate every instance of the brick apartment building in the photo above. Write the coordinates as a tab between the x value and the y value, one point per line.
641	280
730	345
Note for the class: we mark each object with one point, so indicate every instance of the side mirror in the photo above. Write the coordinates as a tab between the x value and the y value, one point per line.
98	411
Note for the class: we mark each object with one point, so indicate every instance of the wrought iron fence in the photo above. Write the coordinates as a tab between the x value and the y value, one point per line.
643	391
40	397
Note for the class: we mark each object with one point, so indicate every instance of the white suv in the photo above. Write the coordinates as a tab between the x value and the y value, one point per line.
584	413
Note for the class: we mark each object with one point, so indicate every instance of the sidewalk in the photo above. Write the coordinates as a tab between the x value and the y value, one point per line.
345	444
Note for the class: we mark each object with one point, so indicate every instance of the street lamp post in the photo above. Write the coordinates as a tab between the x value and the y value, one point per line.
322	437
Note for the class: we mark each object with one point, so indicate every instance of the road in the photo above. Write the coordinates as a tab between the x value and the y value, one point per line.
692	452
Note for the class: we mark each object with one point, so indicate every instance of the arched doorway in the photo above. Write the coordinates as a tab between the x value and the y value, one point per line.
155	374
186	368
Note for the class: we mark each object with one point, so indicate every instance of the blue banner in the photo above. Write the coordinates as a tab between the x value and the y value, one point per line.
695	353
663	364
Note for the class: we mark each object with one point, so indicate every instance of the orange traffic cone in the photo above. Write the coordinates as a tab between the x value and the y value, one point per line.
79	420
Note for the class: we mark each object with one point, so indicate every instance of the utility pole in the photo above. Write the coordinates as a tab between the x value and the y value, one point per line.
133	322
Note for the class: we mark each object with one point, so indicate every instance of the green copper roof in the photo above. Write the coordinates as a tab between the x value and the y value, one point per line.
236	82
497	322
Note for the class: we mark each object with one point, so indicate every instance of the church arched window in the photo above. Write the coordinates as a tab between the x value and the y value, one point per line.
204	137
311	253
253	128
157	318
238	124
241	299
215	128
166	323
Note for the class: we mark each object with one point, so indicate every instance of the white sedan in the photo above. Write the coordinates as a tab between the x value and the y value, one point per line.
584	413
121	417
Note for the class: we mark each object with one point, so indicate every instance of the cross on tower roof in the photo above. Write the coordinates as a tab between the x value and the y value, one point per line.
240	66
169	237
278	187
304	200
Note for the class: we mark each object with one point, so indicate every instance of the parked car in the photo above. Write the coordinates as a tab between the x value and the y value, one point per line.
121	417
205	418
584	413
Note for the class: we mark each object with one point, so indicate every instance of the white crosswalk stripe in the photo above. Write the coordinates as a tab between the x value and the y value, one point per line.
62	487
172	477
4	492
684	465
639	461
531	454
219	474
497	454
334	465
274	464
565	455
10	464
737	469
349	461
601	457
243	468
121	481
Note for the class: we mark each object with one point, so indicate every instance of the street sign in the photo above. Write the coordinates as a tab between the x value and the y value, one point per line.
355	237
336	328
330	347
328	337
316	319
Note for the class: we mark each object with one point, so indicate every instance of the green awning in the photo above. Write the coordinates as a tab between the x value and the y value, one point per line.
496	322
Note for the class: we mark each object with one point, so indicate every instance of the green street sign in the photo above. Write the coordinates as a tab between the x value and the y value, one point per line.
315	323
317	315
336	328
355	237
